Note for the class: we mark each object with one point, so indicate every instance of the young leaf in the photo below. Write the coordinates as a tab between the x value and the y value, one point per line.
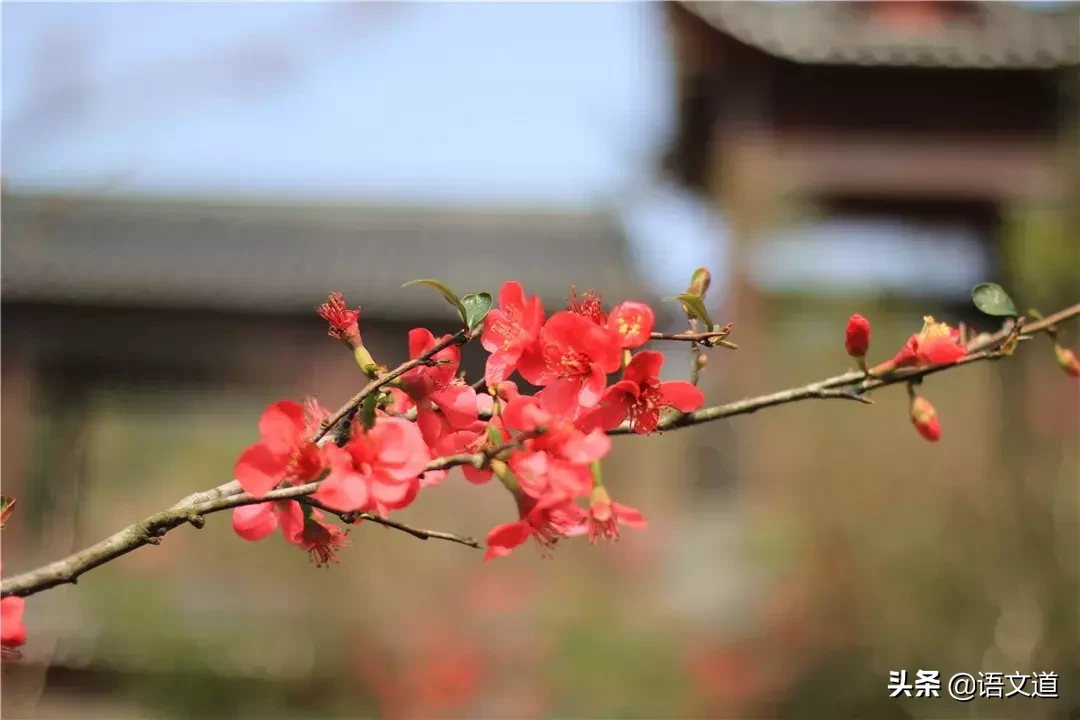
477	306
450	295
699	282
992	299
695	308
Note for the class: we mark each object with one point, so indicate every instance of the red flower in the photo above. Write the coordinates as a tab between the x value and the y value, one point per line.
925	419
558	460
935	344
321	540
283	454
605	516
589	305
632	322
572	359
1067	360
641	396
378	469
255	522
857	338
509	330
547	520
343	322
437	385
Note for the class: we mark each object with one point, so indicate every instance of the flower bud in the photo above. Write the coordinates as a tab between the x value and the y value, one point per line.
925	419
857	338
1067	360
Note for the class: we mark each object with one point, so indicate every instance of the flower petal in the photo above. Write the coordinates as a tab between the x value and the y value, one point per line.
607	416
254	522
420	339
281	426
941	352
643	366
628	516
458	404
681	395
511	295
502	539
290	517
344	492
593	387
582	448
500	365
259	470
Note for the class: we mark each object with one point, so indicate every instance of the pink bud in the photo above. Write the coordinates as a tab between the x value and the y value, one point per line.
857	339
925	419
1067	360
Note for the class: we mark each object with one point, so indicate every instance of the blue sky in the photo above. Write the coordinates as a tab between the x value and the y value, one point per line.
520	103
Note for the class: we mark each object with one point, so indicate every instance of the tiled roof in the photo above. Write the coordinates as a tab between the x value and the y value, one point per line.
283	258
984	35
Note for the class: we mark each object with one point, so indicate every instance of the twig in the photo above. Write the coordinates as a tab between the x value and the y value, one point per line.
459	338
420	533
192	509
712	338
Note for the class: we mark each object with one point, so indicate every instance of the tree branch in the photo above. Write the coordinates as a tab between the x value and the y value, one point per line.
852	385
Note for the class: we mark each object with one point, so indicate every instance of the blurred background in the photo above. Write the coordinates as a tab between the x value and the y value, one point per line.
184	183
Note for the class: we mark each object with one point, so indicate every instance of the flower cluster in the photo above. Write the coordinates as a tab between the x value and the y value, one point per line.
544	448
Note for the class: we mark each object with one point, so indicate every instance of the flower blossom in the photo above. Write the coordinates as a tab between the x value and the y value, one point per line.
546	520
572	360
284	452
605	516
376	470
509	330
935	344
641	396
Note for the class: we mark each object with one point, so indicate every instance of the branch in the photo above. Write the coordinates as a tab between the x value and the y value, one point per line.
193	509
982	348
850	386
709	339
353	518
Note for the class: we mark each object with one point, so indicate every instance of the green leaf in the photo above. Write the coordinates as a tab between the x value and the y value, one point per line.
450	295
1034	314
477	306
992	299
695	308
